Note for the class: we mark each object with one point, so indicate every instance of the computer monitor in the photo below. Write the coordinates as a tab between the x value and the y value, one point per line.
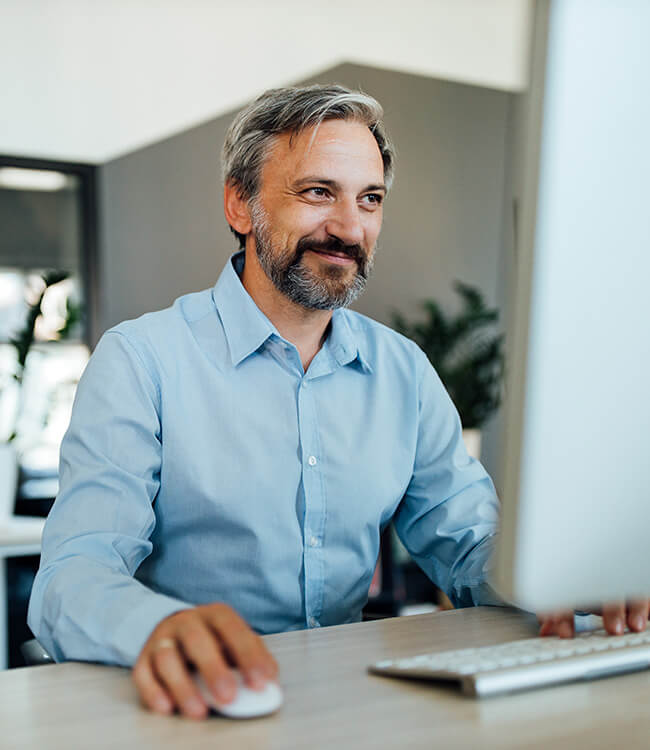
576	478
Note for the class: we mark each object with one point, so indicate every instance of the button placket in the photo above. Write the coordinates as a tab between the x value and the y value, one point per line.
313	521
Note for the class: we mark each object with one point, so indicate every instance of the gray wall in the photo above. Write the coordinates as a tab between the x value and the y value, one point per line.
163	232
40	229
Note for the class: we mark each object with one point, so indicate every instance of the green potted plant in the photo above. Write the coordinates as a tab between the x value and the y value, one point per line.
467	354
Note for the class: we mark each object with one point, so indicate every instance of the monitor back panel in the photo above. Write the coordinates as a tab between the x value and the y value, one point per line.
577	473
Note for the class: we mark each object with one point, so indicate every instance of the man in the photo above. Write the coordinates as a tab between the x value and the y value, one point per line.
231	461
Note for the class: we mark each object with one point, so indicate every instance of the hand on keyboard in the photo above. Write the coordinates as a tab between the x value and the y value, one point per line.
634	614
525	664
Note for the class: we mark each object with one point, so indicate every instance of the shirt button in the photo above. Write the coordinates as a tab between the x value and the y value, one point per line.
313	542
303	383
313	623
312	460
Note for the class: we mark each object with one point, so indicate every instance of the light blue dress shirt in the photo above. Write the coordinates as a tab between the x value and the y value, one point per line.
203	464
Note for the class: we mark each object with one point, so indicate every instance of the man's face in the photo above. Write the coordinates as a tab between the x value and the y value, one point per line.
318	214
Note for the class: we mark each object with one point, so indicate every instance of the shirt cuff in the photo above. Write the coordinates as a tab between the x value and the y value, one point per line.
136	628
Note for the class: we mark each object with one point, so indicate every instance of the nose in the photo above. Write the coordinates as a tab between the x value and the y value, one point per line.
344	222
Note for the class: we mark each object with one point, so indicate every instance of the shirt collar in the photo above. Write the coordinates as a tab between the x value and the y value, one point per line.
245	325
343	345
247	328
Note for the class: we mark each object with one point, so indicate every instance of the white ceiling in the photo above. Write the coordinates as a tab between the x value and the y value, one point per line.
88	80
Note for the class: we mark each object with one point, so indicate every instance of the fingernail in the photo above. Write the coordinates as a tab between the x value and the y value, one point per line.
618	627
224	688
194	706
257	678
162	705
638	623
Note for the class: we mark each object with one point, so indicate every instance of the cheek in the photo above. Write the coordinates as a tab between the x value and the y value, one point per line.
308	221
300	218
373	229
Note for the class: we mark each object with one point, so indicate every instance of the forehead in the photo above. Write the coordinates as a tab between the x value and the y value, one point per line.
341	150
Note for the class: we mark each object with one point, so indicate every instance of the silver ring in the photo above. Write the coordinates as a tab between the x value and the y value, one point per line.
164	643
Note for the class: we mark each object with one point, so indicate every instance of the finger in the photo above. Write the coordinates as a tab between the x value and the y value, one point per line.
614	618
637	614
564	624
545	625
171	670
151	692
558	623
246	648
202	649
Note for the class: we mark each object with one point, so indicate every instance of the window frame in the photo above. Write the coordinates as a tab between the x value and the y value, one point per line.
87	175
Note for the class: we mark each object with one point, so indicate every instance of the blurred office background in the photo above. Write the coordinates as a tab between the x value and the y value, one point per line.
113	117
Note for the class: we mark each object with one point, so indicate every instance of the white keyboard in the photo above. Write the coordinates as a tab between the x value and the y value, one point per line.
526	664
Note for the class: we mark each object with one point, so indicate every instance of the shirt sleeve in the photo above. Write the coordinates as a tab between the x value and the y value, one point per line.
85	603
448	517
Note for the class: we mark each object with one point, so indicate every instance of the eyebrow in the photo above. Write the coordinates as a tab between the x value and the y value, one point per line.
333	183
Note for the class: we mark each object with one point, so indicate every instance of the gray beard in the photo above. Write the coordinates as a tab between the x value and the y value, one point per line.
298	282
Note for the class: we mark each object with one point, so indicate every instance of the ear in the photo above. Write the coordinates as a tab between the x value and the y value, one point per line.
235	207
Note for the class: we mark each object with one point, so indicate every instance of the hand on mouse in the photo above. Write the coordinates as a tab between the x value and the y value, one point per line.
211	638
615	617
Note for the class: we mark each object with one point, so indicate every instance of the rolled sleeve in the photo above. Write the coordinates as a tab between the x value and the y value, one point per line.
86	603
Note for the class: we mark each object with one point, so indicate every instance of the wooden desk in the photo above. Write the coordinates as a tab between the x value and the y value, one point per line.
331	702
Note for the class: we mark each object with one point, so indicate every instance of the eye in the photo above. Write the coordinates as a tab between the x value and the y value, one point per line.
316	192
373	199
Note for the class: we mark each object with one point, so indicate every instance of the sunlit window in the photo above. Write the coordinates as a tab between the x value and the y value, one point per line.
42	314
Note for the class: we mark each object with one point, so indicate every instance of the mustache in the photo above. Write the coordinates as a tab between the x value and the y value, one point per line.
333	244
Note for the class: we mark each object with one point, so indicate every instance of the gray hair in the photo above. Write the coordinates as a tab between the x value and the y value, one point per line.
291	110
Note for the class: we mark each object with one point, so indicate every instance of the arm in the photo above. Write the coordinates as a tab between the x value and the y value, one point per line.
85	603
448	517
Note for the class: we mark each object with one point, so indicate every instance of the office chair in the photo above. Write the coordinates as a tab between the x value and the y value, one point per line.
34	654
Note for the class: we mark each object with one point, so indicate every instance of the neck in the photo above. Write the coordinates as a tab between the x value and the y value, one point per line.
305	329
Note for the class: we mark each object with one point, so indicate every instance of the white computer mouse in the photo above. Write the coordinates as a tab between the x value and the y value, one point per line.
248	703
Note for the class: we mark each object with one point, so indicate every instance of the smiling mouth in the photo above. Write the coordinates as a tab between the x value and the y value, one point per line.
335	256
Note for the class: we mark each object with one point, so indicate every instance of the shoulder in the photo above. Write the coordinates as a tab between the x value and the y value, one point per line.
182	313
158	335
